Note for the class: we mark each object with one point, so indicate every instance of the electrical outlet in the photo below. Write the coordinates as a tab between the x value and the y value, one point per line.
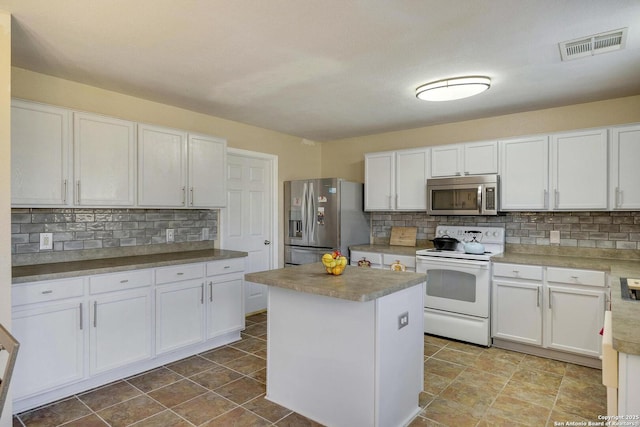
205	234
554	237
170	235
46	241
403	320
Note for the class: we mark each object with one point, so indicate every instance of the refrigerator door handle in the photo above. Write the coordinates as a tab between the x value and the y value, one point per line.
312	214
303	211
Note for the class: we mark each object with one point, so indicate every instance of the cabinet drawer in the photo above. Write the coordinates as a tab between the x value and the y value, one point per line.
179	273
120	281
517	271
408	261
576	277
49	290
232	265
373	257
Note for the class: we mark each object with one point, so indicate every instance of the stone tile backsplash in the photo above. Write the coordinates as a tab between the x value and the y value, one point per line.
81	229
604	230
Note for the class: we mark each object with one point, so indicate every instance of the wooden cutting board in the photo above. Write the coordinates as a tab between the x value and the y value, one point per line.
403	236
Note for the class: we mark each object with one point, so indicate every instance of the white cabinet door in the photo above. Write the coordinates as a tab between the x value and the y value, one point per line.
120	329
447	160
574	317
379	178
625	173
51	351
524	174
207	177
579	170
517	311
179	314
162	167
225	312
104	161
480	158
40	155
412	171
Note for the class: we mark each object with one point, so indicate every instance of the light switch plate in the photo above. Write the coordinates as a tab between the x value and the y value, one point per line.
170	235
46	241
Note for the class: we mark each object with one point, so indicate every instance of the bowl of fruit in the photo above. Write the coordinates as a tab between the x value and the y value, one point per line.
334	263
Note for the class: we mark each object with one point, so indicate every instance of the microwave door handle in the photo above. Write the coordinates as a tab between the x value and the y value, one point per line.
480	199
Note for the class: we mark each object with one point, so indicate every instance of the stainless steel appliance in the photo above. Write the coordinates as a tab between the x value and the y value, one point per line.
467	195
322	215
458	289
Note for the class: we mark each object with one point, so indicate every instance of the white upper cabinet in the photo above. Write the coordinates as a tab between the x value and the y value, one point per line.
40	155
524	174
104	161
379	181
177	169
473	158
162	167
625	173
579	170
396	180
207	177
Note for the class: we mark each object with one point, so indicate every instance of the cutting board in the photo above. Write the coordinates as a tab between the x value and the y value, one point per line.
403	236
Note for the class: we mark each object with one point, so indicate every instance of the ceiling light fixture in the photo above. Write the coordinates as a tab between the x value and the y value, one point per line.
456	88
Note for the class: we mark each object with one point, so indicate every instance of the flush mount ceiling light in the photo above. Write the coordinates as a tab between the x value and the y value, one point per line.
456	88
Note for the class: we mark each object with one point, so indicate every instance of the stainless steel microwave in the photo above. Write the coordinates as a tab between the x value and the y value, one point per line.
467	195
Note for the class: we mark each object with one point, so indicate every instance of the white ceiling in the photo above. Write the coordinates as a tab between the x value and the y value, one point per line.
329	69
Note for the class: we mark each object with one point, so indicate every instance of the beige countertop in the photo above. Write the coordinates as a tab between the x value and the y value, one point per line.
355	284
61	270
625	314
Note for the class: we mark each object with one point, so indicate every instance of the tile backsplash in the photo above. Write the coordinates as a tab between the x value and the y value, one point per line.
604	230
83	229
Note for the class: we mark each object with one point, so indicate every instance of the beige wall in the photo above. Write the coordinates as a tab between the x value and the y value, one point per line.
349	163
5	184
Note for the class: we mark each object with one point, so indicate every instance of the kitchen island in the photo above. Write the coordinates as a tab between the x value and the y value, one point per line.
345	350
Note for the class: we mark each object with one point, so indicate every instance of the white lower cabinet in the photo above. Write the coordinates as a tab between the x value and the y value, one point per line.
120	330
51	337
179	314
79	333
563	311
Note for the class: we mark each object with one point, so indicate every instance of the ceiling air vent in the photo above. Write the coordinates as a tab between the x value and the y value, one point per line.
593	45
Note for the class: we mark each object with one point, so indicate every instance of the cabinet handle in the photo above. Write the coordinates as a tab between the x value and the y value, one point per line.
211	291
227	266
184	195
124	281
64	191
538	297
202	293
618	197
78	196
556	198
180	273
549	298
81	316
458	174
48	291
95	314
390	202
191	195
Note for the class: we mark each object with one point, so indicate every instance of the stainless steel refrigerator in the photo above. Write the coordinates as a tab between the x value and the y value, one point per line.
322	215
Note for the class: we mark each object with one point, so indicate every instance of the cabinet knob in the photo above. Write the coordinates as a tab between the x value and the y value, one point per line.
267	242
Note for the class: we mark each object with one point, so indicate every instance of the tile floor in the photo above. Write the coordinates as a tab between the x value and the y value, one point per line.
464	385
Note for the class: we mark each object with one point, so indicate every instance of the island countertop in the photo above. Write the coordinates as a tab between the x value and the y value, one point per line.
354	284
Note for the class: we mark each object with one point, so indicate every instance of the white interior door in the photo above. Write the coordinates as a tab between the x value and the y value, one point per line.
248	223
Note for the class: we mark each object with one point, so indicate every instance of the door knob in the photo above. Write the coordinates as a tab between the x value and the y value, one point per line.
267	242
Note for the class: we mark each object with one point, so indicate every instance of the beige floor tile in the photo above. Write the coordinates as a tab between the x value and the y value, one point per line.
456	356
130	411
533	376
518	411
584	373
246	364
89	421
506	355
154	379
538	394
437	341
443	368
421	421
242	390
256	330
559	417
257	318
582	399
204	408
191	366
215	377
465	347
250	345
430	349
238	417
297	420
475	399
544	364
260	375
176	393
267	409
480	378
223	354
109	395
165	418
56	413
497	366
434	384
450	413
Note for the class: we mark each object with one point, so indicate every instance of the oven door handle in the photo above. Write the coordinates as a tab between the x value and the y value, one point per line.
443	262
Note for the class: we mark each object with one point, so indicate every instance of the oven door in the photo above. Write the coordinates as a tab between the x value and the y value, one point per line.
457	286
